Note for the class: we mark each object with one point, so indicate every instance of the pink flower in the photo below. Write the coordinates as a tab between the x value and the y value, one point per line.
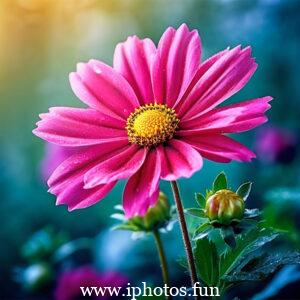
274	144
152	116
54	156
69	282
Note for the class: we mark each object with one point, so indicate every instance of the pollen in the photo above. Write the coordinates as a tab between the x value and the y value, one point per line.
151	124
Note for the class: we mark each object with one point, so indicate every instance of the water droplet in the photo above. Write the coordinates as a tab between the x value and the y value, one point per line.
97	70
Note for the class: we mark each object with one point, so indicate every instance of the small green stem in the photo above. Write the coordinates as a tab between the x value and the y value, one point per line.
162	257
185	235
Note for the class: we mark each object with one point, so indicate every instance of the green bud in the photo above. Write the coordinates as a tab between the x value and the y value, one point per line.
156	216
225	207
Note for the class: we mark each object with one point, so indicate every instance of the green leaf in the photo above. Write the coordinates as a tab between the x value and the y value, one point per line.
246	245
220	182
252	213
244	190
228	236
201	200
209	193
203	234
196	212
207	261
202	231
261	267
124	226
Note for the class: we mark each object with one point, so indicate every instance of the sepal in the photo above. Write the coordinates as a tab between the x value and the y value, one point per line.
244	190
201	200
220	182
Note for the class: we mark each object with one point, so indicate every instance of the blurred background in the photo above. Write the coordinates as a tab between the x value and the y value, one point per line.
41	42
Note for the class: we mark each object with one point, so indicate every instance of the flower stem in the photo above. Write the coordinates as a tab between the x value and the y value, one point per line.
162	257
185	235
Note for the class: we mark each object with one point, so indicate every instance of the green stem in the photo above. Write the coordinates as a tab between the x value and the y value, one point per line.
185	235
162	257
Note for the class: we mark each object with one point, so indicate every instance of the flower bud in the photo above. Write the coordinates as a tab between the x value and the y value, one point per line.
224	207
156	216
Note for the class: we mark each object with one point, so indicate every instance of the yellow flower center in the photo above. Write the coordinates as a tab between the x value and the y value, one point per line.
151	124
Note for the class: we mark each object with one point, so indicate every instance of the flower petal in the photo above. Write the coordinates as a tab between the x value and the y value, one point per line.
232	118
78	164
175	63
220	148
76	197
120	166
178	159
54	155
67	181
181	105
142	188
104	89
68	126
133	60
226	75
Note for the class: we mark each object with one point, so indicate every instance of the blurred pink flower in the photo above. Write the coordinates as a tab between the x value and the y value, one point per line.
274	144
69	282
152	116
54	155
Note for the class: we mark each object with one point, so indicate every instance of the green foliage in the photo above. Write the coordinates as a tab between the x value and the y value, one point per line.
207	261
127	226
246	245
196	212
261	267
226	255
200	199
244	190
203	230
227	231
249	260
220	183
